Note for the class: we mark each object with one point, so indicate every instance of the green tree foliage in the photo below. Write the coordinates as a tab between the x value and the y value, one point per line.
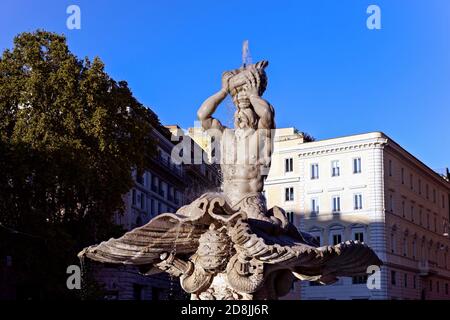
306	136
69	137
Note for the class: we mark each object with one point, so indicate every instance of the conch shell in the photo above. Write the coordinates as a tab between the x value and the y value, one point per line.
239	77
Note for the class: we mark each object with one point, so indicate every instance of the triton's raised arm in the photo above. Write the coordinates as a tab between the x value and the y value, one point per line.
263	109
265	112
210	105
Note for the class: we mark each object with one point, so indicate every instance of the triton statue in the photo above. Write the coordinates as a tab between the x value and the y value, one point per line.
228	245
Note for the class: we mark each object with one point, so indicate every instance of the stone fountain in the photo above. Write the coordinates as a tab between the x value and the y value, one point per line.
228	245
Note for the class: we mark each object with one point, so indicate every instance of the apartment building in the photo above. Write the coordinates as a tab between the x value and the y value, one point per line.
164	187
366	187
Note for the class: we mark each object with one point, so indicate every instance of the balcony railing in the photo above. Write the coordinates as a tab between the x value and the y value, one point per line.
426	267
172	167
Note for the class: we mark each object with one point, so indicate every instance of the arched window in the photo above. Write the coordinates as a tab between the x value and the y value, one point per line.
446	258
393	243
393	239
405	246
424	251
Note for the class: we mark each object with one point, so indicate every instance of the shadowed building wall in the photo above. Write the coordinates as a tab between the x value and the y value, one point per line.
164	187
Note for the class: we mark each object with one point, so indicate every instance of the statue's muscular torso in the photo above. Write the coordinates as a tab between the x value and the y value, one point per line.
243	163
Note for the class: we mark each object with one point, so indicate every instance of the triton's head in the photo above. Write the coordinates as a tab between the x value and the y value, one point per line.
239	76
245	116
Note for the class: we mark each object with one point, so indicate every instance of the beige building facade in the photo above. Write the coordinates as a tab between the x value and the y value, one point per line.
366	187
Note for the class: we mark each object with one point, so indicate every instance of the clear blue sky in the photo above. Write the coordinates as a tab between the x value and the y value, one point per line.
328	74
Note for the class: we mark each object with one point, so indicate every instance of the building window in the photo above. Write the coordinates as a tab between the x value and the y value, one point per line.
426	191
335	169
437	286
357	201
359	280
446	288
431	285
420	186
142	201
445	260
405	247
443	202
414	282
289	194
336	204
403	209
390	168
412	213
393	243
411	184
140	178
139	197
393	278
420	216
290	216
133	196
435	224
169	192
176	196
428	221
359	236
161	188
152	207
405	280
414	248
357	165
315	205
137	291
391	203
156	293
315	171
288	165
139	221
423	251
154	183
434	195
403	175
337	238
